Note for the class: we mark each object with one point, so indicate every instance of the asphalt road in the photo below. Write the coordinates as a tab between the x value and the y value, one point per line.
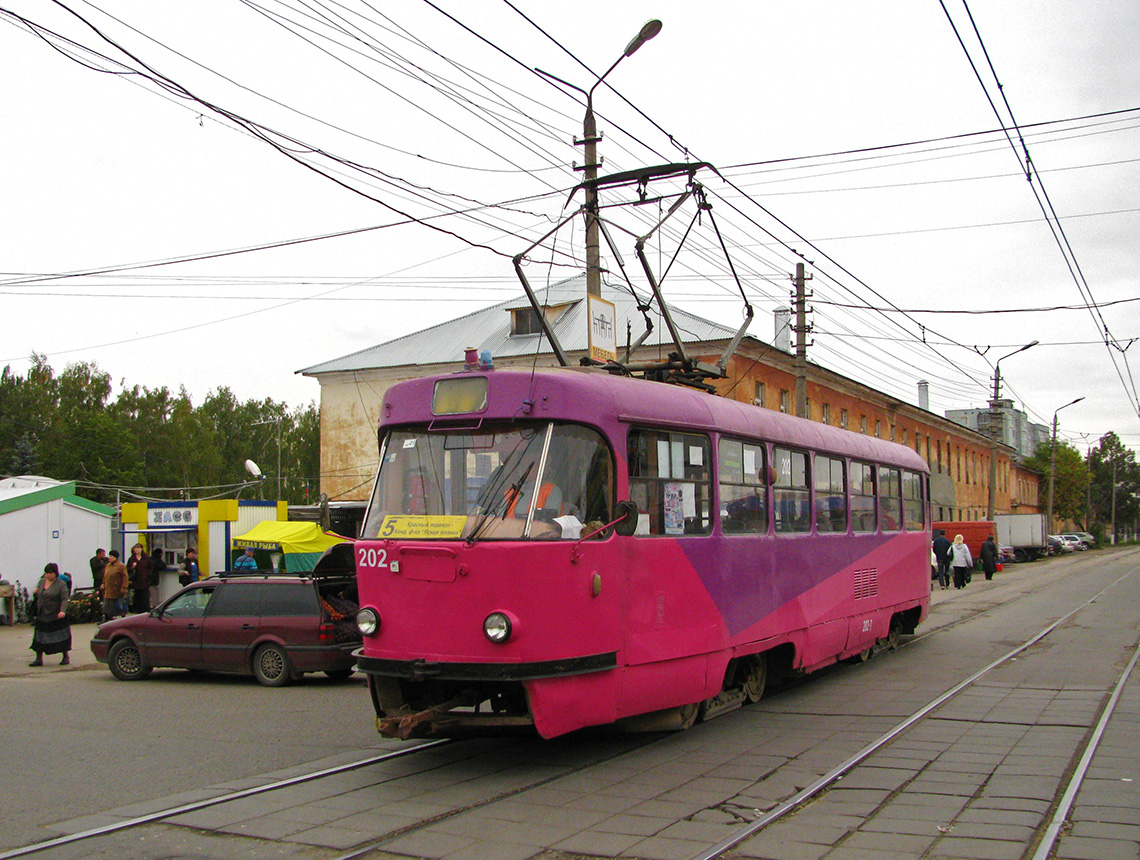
76	741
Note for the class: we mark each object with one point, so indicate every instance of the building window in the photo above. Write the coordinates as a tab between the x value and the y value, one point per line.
878	429
863	424
759	399
826	413
784	401
904	439
939	455
843	418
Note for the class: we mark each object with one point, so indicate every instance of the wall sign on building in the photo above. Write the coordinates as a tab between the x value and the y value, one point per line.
603	329
173	517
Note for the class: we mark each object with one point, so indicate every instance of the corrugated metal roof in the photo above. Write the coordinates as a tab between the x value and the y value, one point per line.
490	328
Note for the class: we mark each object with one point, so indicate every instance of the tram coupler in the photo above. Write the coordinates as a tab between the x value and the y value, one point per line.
403	726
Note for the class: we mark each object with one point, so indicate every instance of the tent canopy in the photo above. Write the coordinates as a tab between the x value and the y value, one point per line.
302	543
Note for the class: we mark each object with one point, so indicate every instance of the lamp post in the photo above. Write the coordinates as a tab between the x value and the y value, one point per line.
996	428
1053	463
276	421
590	168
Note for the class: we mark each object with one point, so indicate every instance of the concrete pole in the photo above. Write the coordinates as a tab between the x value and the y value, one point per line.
801	342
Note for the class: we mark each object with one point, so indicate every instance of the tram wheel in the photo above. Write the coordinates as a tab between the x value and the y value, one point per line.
894	634
757	678
689	714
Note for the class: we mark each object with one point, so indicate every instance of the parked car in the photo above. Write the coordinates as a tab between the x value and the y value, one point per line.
273	626
1007	554
1077	544
1085	538
1060	545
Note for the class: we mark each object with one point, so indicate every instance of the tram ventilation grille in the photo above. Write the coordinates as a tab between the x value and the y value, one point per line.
866	582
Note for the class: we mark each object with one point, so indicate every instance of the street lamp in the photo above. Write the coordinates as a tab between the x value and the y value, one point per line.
1053	462
590	168
996	427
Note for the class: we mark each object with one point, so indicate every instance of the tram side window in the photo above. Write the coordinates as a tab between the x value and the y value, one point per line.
914	511
890	499
670	481
742	469
862	478
791	501
830	495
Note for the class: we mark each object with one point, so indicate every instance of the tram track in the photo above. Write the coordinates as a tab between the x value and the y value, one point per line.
720	849
1047	837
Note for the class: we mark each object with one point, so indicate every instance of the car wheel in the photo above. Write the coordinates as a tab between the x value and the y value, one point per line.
339	674
271	666
125	661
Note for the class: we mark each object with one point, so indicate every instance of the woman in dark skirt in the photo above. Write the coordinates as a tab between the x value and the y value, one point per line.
52	628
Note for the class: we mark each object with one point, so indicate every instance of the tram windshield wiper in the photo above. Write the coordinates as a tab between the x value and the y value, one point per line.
504	502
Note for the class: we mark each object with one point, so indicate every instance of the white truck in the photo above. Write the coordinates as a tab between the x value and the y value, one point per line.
1024	532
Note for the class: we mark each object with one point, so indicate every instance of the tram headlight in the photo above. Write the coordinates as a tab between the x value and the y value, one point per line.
368	622
497	627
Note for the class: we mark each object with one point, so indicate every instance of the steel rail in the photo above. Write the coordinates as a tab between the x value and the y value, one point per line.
1049	838
194	806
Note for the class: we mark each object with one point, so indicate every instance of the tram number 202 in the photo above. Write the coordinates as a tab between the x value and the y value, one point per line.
373	557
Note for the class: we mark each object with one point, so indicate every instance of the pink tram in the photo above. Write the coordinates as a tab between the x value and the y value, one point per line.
565	548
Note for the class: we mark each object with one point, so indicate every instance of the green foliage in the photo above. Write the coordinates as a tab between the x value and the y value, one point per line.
1114	484
152	441
1070	483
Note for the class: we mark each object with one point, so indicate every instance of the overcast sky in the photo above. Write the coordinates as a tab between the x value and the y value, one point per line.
855	137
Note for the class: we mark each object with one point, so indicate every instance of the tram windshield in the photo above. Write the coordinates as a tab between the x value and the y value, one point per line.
537	481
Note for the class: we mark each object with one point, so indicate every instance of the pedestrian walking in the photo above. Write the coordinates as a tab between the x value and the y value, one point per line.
52	633
115	585
961	561
941	548
989	557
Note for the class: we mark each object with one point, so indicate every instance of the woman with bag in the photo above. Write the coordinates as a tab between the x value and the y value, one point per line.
52	633
115	585
961	561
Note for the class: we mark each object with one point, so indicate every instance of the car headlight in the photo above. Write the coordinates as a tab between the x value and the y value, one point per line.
497	627
368	622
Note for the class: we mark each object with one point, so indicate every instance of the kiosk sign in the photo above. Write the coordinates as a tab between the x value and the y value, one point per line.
603	329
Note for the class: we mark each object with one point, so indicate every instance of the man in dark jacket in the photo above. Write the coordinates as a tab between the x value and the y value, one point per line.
989	557
942	554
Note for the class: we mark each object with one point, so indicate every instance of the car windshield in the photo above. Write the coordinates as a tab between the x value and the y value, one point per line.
503	482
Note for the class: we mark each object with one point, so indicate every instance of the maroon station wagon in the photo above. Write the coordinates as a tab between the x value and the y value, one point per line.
273	626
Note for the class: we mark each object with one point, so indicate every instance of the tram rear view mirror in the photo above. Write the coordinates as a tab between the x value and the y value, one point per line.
627	525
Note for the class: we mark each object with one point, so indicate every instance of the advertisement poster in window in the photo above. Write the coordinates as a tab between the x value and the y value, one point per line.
674	508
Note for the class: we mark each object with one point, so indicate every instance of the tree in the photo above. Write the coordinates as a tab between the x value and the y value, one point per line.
1071	479
1115	483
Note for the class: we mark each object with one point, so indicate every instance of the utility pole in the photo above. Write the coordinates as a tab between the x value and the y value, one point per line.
801	329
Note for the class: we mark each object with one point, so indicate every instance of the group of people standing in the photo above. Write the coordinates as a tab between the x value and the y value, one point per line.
136	579
955	561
